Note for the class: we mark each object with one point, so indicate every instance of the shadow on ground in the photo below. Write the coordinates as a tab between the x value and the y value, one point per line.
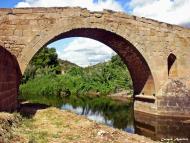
29	109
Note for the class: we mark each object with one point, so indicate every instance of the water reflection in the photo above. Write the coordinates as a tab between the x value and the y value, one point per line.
118	119
155	127
162	128
121	115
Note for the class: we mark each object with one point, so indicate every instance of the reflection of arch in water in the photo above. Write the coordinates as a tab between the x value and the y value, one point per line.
140	72
9	80
155	126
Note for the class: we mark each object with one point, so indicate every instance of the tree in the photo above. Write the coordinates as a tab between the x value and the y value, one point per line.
44	62
46	57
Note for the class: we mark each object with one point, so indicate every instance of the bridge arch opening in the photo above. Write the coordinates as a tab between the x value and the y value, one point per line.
143	82
10	75
172	66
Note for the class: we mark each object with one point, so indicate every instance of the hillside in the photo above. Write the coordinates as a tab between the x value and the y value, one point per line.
66	65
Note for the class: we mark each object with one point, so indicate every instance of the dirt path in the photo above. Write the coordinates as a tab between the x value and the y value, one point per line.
52	125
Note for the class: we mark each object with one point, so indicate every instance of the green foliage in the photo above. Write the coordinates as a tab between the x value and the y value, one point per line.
110	77
45	62
98	80
43	88
45	57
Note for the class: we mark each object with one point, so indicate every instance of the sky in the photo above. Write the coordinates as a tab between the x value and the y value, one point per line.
84	51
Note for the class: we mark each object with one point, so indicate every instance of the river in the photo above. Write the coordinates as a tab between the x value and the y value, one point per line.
123	117
119	120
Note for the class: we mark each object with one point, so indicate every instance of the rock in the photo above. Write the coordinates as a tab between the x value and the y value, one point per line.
101	133
7	123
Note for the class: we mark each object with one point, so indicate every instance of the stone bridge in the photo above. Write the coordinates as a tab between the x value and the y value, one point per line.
157	54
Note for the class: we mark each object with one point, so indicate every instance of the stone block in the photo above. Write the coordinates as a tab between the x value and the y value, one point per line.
21	10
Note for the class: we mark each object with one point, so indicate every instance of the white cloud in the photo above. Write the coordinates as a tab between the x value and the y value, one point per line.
90	4
170	11
136	3
85	52
81	51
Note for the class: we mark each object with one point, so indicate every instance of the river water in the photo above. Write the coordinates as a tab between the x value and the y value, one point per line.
123	117
101	116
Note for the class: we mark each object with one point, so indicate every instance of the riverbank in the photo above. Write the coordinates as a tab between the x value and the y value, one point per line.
122	96
52	125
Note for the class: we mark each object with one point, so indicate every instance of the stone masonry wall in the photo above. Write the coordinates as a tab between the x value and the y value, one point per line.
25	30
9	81
175	99
143	44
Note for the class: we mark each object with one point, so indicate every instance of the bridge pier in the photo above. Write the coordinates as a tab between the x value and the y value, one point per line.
145	104
160	128
9	81
172	100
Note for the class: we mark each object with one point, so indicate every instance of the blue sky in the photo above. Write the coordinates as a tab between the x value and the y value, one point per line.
77	50
12	3
8	3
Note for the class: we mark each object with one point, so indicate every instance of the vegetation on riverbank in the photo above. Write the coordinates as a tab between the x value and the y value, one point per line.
43	78
45	62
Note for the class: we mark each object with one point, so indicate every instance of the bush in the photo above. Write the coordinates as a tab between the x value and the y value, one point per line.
100	80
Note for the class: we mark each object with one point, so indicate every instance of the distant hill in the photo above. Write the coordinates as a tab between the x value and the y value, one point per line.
98	65
66	65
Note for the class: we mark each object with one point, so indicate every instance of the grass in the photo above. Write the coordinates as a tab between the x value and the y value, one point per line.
54	126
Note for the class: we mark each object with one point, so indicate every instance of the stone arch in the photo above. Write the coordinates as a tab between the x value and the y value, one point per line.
172	66
10	75
143	82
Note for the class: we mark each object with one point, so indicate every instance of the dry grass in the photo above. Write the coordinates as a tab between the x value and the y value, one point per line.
52	125
7	123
